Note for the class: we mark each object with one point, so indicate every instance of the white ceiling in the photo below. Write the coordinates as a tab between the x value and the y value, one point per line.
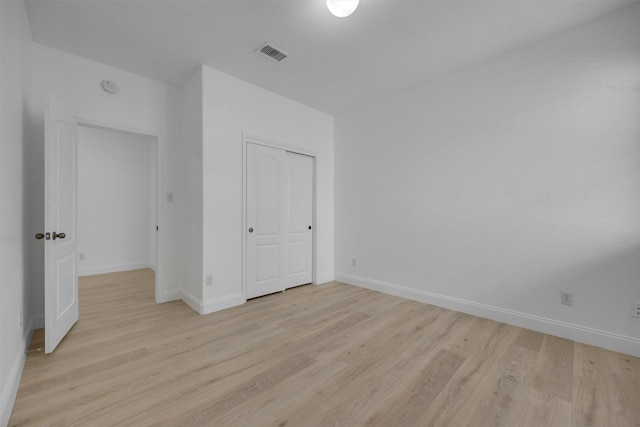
334	63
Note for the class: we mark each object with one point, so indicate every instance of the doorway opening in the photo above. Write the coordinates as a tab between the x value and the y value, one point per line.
117	202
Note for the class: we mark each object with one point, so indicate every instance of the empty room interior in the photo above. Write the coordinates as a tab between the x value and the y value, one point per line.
320	212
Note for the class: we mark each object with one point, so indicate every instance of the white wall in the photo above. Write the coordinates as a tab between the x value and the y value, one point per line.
142	104
191	152
491	190
116	201
15	290
232	107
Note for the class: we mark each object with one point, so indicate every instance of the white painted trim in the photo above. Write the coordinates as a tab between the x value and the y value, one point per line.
38	321
212	305
314	220
217	304
243	269
321	278
246	139
159	143
614	342
112	127
170	295
10	390
193	302
267	142
114	268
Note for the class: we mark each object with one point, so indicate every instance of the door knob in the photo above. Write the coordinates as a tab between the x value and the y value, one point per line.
251	230
39	236
58	235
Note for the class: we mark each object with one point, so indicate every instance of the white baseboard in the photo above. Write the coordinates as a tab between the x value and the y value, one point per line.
170	295
324	278
38	321
10	389
217	304
610	341
212	305
114	268
191	301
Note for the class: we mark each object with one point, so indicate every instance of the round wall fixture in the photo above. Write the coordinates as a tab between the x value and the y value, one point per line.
110	86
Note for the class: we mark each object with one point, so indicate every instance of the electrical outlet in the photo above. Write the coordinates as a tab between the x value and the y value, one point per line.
353	262
635	309
81	256
209	281
566	297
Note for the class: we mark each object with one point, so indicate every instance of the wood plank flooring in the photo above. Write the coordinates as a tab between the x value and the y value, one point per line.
330	355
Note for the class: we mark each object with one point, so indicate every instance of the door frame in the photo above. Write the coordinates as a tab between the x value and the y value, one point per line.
266	142
159	185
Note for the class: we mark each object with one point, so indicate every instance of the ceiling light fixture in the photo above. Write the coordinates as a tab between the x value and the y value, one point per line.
342	8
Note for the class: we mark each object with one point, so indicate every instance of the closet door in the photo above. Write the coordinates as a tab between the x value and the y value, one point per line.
300	210
266	220
279	220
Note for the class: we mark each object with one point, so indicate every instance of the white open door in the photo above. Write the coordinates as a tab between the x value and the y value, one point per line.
60	175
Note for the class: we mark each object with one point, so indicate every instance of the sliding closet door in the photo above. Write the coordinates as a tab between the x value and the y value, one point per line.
266	220
279	220
299	230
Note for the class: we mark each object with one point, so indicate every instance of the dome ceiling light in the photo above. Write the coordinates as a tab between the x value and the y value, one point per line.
342	8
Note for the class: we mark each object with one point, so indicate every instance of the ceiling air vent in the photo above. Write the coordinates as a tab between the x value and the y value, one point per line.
272	52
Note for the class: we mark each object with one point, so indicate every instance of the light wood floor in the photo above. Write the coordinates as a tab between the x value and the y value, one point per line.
313	356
